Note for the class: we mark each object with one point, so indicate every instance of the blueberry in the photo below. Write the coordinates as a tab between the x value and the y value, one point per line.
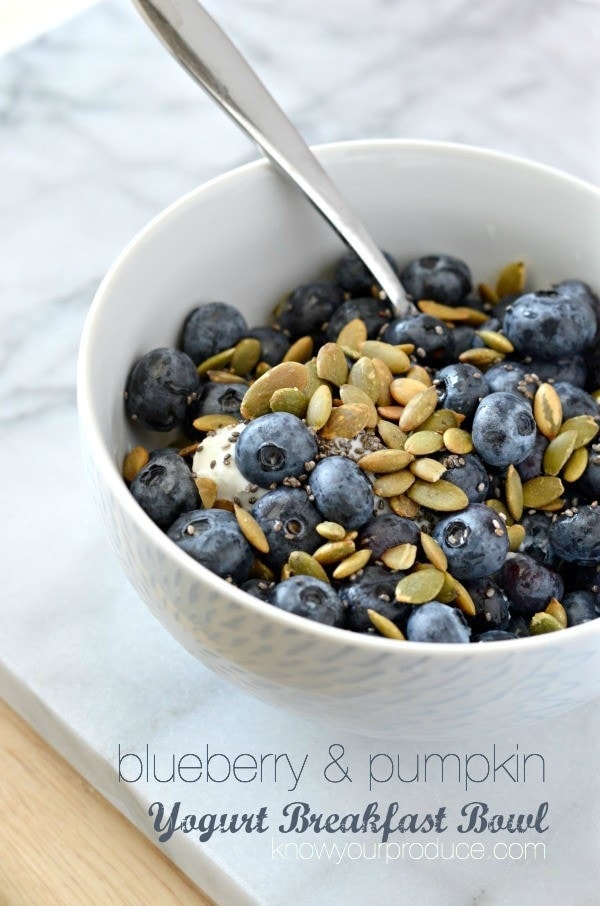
433	340
385	531
491	605
214	539
355	277
519	626
461	387
465	337
581	607
529	585
211	328
373	588
577	289
308	308
273	447
435	622
576	537
468	473
570	368
589	483
273	343
310	598
575	401
258	588
161	386
165	488
536	543
215	398
495	635
503	431
474	541
439	277
342	492
289	521
531	466
512	377
375	313
548	324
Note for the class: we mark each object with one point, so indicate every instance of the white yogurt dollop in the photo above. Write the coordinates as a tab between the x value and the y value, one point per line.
215	459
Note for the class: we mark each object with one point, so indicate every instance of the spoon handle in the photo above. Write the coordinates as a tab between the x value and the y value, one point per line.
203	48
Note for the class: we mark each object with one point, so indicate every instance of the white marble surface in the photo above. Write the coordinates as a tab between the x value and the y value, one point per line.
99	129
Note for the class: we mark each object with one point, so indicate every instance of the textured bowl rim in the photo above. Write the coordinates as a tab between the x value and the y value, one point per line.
107	468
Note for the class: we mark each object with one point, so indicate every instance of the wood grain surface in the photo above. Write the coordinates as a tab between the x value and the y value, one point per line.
63	844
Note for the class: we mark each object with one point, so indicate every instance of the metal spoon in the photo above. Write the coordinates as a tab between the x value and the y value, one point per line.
203	48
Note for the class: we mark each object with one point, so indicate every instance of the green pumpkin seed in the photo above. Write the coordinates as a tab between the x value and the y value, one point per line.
395	359
457	441
332	365
352	334
586	427
403	506
463	599
487	294
576	465
363	374
393	484
391	434
288	399
333	531
213	421
434	552
246	356
543	622
556	610
352	564
216	361
135	460
558	452
257	398
385	379
547	410
300	351
404	389
251	530
496	341
385	626
302	564
441	421
354	395
345	421
454	314
401	556
538	492
427	469
442	496
511	280
481	358
334	551
516	536
420	587
421	443
513	492
319	408
207	489
418	409
383	461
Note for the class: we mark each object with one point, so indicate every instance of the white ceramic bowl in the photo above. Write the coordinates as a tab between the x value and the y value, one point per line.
247	237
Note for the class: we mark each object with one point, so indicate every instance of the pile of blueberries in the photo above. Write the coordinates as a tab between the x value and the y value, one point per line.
555	334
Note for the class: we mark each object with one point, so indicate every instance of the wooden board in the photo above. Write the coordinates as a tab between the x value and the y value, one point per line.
61	842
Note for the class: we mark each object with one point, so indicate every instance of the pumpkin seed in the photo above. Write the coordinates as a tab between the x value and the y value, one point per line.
352	334
540	491
547	410
394	357
442	496
345	421
213	422
543	622
460	313
313	381
352	564
385	379
393	484
433	552
260	570
391	413
513	492
404	389
496	341
216	361
207	488
251	530
333	531
481	358
516	536
224	377
447	593
586	426
331	364
289	399
258	396
500	507
511	279
441	421
334	551
246	356
556	610
458	441
385	461
363	374
351	394
576	465
385	626
427	469
319	407
303	564
135	460
419	373
300	351
487	294
222	503
555	506
421	443
420	587
558	452
418	409
391	434
261	369
189	450
401	556
402	505
464	600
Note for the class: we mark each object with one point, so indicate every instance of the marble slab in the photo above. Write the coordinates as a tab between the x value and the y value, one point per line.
99	130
